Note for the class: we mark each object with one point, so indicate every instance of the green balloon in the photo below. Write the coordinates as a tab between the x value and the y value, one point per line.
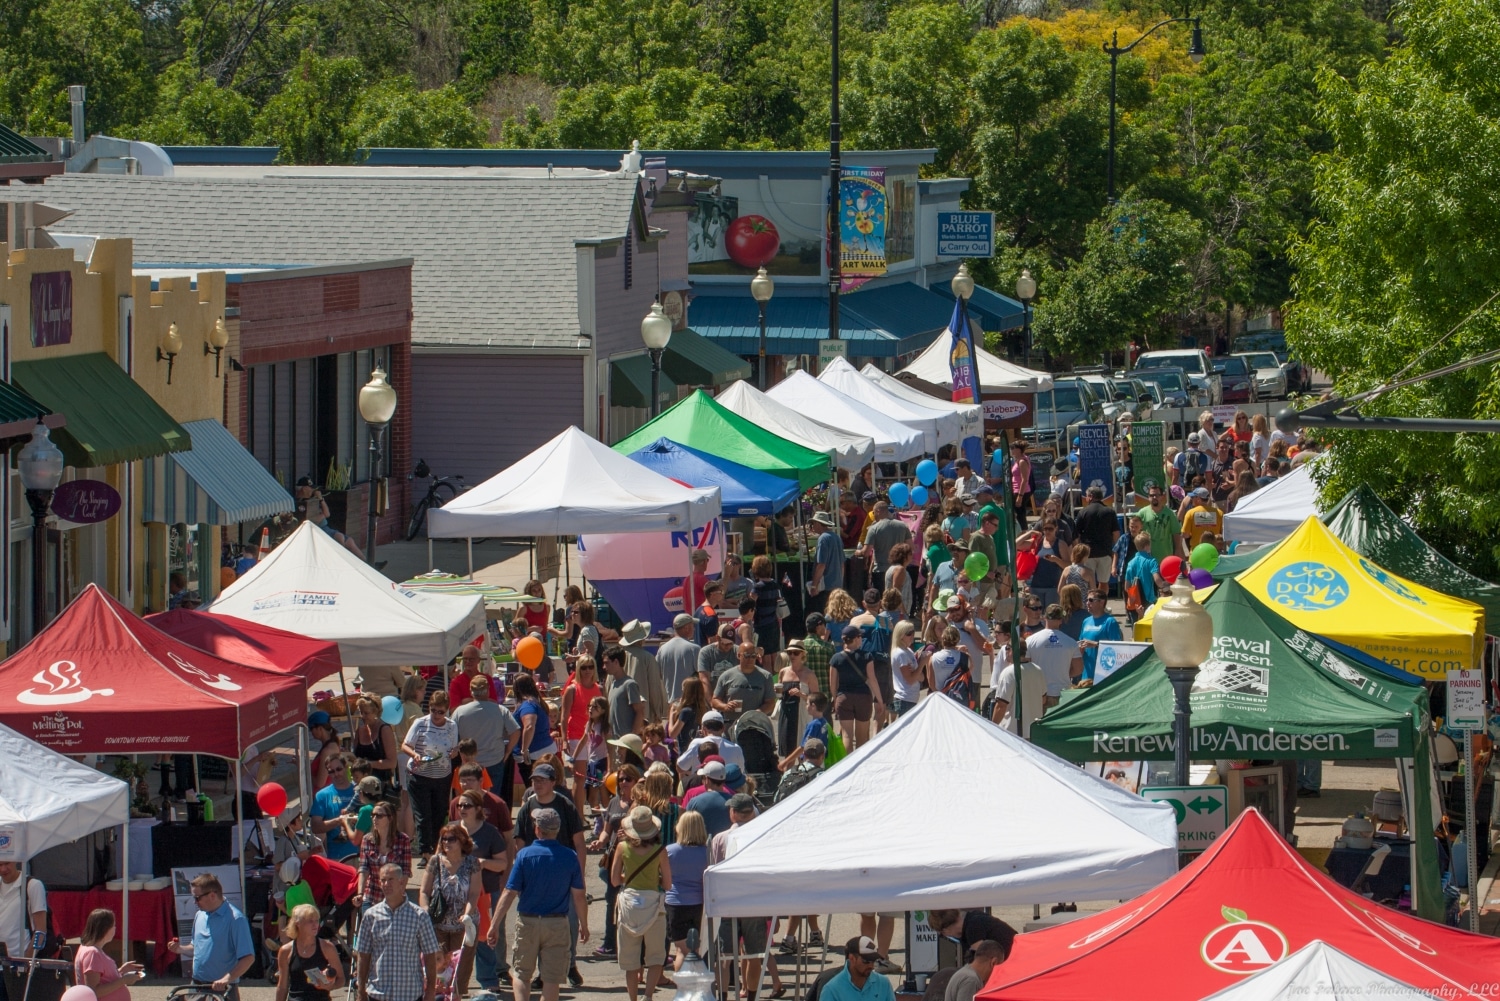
1203	557
976	566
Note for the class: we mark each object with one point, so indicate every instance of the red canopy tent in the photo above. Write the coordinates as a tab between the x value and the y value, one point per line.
1247	903
100	679
243	642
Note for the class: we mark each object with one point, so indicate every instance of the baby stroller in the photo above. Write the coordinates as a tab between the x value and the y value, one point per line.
757	739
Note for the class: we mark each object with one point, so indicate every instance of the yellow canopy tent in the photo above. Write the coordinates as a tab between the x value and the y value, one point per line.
1317	583
1142	633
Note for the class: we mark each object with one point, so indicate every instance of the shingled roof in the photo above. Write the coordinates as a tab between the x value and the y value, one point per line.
494	257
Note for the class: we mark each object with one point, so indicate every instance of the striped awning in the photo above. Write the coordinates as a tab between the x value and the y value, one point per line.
216	482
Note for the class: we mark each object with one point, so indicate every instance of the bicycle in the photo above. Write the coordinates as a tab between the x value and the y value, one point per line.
439	492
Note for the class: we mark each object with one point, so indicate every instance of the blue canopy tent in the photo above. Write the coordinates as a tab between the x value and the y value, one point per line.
742	490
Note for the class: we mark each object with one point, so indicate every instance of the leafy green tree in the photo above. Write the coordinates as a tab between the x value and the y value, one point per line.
1401	268
676	109
1133	271
311	119
97	43
195	112
911	92
395	113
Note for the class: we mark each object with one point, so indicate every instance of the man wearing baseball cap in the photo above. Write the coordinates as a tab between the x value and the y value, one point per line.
712	731
543	798
858	981
712	804
1203	517
828	561
678	656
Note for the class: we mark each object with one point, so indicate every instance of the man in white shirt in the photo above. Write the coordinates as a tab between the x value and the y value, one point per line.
711	730
13	912
1056	653
1033	695
965	482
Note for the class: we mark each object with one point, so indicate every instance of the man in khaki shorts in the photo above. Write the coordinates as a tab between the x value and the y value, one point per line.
545	873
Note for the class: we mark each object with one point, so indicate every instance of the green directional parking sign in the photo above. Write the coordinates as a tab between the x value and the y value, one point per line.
1202	812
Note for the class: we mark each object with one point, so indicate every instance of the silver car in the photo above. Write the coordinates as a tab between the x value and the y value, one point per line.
1195	364
1270	377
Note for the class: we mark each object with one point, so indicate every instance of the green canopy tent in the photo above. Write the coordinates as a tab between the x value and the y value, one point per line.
1377	533
1267	690
698	422
1363	523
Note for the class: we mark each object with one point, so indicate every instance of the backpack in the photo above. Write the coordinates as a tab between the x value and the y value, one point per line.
960	684
1194	463
52	947
794	780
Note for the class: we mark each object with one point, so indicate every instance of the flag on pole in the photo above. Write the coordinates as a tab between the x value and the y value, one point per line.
963	366
962	363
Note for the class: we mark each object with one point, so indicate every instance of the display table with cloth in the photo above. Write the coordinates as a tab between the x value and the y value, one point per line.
152	916
1345	865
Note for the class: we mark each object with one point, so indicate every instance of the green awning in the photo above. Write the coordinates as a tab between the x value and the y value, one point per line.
693	360
698	422
630	383
19	413
110	418
1268	690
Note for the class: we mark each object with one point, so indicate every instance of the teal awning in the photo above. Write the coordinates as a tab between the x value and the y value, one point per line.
216	482
693	360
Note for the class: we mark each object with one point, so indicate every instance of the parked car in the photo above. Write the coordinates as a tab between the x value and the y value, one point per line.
1143	402
1172	383
1238	379
1194	362
1270	377
1298	375
1069	402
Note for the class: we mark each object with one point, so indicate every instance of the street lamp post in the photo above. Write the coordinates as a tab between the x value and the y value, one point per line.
761	289
656	331
1114	51
41	467
1026	291
377	405
1183	635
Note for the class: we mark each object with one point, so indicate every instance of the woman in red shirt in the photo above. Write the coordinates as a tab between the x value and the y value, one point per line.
582	688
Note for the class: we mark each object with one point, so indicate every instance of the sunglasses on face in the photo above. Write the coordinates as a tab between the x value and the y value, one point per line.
446	841
466	806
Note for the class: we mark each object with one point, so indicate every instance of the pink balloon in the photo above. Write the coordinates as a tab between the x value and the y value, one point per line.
80	992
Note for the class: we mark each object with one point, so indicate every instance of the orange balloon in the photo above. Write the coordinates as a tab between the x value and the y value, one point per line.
611	782
529	652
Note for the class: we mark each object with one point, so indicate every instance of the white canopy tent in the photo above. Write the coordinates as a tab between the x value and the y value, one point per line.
573	485
996	375
894	441
1274	511
938	426
1318	970
850	451
47	799
883	830
314	586
970	415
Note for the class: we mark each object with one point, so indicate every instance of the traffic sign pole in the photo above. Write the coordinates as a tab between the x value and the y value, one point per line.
1466	712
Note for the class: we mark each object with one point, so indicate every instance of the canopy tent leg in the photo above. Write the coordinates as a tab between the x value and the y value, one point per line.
348	706
469	545
239	830
430	564
125	875
304	769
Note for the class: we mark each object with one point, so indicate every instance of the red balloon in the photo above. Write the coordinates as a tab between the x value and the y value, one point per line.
529	651
1171	569
272	798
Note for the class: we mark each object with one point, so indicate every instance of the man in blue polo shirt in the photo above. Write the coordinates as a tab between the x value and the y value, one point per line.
859	981
545	874
222	950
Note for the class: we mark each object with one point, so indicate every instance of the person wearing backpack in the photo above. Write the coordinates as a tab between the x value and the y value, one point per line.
1143	579
948	669
23	910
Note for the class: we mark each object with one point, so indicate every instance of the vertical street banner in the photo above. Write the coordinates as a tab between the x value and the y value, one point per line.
1095	460
862	218
963	367
1148	447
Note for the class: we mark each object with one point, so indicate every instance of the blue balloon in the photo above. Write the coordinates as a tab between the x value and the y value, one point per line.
900	495
391	710
919	496
927	472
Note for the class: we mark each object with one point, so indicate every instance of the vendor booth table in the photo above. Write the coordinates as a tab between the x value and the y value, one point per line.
152	918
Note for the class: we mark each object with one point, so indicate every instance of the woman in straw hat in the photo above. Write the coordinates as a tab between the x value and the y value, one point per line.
643	875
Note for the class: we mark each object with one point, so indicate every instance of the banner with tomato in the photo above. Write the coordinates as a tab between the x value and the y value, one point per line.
743	227
862	217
